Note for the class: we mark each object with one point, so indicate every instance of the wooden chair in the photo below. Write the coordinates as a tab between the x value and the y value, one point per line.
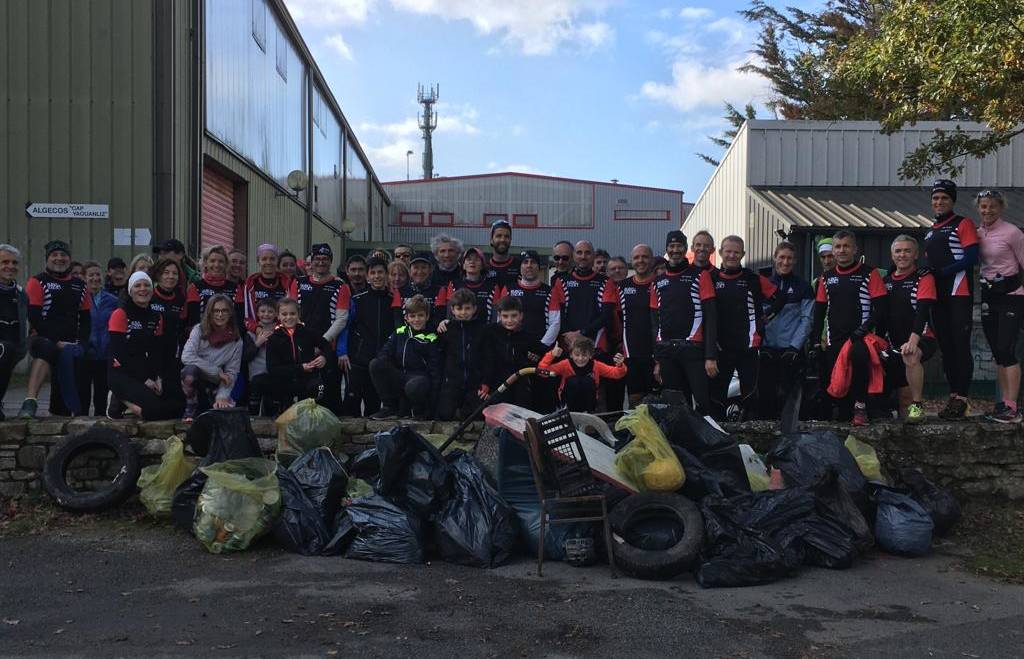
566	487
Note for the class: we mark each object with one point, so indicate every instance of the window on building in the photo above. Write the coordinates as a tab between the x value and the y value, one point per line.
282	54
410	219
259	24
622	214
442	219
491	218
524	220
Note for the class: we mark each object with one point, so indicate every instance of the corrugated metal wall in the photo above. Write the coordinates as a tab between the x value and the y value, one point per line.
272	218
855	153
77	121
564	209
722	207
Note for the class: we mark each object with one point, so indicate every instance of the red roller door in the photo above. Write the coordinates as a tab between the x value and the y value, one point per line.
218	222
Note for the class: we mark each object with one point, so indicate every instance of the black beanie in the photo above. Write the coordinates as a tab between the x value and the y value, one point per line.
676	236
945	186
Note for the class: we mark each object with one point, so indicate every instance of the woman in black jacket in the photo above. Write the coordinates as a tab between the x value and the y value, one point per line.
137	351
296	357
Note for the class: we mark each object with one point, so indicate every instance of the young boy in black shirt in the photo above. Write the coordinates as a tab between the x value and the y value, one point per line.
459	338
504	349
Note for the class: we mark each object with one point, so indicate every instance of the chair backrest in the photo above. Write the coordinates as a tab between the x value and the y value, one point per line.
532	436
563	464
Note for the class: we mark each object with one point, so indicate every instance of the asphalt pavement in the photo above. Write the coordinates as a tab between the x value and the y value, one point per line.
145	589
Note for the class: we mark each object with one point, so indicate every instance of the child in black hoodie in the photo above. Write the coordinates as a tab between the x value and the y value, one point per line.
407	369
296	357
504	349
459	343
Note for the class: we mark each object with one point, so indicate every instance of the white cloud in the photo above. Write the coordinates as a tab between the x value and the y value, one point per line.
330	13
336	43
695	85
739	33
457	119
389	159
535	27
680	44
695	13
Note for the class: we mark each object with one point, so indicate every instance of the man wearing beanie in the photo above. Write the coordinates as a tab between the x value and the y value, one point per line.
684	319
501	264
267	283
952	247
58	315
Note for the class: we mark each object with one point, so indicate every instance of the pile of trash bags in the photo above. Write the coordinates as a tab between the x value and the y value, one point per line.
814	499
403	502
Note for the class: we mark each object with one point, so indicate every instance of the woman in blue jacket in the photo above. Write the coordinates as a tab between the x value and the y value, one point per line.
92	368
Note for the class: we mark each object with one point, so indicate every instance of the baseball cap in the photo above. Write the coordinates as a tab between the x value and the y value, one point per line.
57	246
322	249
676	236
116	262
422	256
529	254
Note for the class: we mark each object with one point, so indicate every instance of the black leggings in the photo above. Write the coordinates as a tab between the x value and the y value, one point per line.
952	318
682	369
92	385
155	407
776	380
283	392
744	362
1000	319
360	393
400	390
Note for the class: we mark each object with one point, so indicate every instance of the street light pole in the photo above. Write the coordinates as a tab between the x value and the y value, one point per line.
407	154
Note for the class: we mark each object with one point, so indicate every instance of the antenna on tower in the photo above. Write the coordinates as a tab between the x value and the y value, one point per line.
427	123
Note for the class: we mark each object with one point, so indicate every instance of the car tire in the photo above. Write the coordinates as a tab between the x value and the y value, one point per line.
122	486
662	563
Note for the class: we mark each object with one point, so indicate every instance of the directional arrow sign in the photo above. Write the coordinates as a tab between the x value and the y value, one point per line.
42	209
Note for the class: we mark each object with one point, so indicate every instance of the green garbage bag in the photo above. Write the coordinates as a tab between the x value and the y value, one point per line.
305	426
867	459
648	462
157	483
239	503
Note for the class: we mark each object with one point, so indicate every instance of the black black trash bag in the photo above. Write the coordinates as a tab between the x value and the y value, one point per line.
375	529
701	480
476	527
654	534
835	504
747	542
217	436
299	529
902	525
516	486
824	543
804	459
413	473
323	479
684	427
365	466
938	501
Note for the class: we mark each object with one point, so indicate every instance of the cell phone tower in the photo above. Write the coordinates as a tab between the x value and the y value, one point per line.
427	123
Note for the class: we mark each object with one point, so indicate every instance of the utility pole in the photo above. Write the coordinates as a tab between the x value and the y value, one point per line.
427	123
407	154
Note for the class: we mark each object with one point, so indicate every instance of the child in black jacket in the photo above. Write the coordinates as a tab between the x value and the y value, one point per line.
296	357
459	337
407	370
504	349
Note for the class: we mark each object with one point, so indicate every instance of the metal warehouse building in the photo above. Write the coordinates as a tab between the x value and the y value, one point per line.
808	179
176	118
541	209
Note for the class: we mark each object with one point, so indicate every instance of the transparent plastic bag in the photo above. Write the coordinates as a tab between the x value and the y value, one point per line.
158	482
305	426
240	502
648	461
757	473
866	458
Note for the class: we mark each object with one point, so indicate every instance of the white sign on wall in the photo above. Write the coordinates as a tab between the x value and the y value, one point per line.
43	209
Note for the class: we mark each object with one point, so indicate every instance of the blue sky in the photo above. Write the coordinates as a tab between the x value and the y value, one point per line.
594	89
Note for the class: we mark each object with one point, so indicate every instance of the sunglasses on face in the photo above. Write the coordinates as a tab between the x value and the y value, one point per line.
560	257
990	194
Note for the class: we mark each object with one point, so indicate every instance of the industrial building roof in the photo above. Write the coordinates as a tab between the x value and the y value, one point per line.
864	208
441	179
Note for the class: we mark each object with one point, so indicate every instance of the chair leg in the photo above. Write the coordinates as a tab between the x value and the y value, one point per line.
540	540
608	539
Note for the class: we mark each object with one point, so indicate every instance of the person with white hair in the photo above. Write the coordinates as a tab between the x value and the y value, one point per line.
447	256
136	359
13	318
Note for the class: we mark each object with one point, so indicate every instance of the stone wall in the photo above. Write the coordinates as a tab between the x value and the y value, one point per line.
24	445
974	459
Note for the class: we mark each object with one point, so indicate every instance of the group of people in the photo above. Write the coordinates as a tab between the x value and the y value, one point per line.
432	335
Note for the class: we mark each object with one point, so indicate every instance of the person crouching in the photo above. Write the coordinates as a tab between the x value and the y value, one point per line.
296	357
407	369
581	374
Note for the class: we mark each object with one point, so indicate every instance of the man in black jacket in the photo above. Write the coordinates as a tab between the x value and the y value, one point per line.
370	322
407	368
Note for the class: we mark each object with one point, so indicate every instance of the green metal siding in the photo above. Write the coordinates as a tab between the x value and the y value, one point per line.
77	121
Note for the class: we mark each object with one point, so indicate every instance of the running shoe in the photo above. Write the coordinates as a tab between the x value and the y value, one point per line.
1006	414
28	409
956	408
860	416
915	413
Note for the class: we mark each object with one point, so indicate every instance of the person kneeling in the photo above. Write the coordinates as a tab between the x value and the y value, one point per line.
296	357
136	355
212	357
407	369
581	374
